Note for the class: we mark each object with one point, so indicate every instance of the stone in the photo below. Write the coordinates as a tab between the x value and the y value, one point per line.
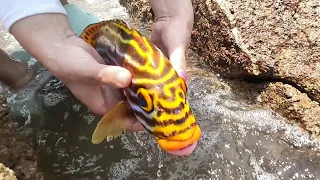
16	154
275	43
282	39
6	173
293	104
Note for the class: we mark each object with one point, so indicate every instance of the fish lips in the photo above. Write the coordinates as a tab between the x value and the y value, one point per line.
181	148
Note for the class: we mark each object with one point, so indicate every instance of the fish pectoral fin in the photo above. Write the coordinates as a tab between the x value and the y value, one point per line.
112	124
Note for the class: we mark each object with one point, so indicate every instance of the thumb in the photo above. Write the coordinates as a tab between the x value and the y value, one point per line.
115	76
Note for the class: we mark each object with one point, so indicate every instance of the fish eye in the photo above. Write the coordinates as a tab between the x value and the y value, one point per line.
145	100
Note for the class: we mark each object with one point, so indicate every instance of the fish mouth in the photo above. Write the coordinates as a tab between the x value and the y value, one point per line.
184	151
184	147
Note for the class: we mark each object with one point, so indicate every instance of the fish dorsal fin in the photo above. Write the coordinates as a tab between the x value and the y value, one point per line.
112	123
90	32
120	22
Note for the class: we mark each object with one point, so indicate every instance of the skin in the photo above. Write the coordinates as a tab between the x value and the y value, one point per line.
82	69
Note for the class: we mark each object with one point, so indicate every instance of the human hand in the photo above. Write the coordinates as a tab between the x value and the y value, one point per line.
74	62
172	30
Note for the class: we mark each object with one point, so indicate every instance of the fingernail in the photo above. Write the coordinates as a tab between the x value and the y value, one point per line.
183	74
123	78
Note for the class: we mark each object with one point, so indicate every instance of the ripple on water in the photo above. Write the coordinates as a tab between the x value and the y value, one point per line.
52	99
122	170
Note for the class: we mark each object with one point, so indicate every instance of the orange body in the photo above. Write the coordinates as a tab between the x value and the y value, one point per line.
157	93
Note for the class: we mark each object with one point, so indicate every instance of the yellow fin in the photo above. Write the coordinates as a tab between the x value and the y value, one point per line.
112	123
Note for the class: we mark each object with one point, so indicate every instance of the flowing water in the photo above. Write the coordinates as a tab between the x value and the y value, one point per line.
240	141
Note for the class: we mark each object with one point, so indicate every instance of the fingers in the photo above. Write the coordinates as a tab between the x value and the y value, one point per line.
93	66
132	124
115	76
172	43
112	97
178	60
135	126
90	95
109	75
90	50
183	74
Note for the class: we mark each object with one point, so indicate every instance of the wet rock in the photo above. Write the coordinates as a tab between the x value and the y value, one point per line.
15	151
6	173
260	41
293	104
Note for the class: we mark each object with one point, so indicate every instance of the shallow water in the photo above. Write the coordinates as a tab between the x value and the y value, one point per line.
239	141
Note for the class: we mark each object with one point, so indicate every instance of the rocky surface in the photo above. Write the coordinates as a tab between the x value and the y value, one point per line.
6	173
293	104
276	43
15	152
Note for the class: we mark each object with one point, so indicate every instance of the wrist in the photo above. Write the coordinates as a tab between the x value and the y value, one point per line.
170	8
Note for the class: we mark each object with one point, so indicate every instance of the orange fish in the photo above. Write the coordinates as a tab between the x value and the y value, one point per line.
156	95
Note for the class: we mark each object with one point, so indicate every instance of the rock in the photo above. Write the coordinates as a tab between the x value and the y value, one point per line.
293	104
139	9
15	151
260	41
282	39
6	173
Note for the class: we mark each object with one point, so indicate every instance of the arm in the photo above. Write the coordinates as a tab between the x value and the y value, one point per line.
48	37
13	10
169	8
31	21
42	28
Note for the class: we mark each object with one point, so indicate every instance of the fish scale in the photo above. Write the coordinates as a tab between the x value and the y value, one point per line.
157	95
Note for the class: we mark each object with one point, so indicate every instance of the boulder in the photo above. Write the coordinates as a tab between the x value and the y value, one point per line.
276	43
18	160
6	173
292	104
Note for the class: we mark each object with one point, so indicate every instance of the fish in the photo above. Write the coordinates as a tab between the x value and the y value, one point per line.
157	95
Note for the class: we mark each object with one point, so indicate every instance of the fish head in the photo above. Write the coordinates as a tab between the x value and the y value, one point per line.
163	109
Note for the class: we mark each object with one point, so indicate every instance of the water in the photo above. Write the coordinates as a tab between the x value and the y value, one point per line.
240	141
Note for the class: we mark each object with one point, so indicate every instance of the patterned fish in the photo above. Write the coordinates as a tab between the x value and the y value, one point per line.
156	95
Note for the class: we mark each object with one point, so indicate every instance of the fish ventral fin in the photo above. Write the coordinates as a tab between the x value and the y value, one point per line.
112	124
